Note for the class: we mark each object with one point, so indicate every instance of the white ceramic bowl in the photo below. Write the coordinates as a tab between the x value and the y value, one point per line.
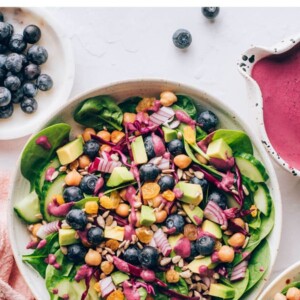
279	283
245	66
17	230
60	66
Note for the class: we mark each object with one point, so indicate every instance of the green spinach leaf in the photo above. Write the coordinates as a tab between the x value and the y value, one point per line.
200	134
130	104
187	104
293	284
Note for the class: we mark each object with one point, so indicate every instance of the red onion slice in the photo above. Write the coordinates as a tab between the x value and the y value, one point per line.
214	213
239	271
162	242
103	165
47	229
162	115
107	286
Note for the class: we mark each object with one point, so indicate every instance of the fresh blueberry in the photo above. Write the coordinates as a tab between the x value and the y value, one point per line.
6	111
88	183
95	235
166	183
5	96
194	252
13	63
208	120
176	147
131	255
29	89
175	221
44	82
202	182
17	43
77	219
210	12
76	253
1	17
219	198
3	49
12	83
32	34
182	38
205	245
91	148
29	105
2	75
6	31
148	257
2	61
32	71
72	194
19	75
149	147
24	60
18	96
37	54
149	172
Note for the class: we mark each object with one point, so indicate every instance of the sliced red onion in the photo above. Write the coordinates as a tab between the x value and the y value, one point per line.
49	173
239	271
47	229
99	185
174	124
162	115
206	281
158	145
107	286
214	213
162	242
103	165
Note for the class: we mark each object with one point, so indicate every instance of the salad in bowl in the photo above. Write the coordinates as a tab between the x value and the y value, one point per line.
147	199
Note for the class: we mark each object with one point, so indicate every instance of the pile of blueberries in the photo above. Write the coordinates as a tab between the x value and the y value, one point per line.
20	72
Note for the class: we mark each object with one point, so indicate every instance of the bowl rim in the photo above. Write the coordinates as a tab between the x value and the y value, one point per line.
210	99
245	67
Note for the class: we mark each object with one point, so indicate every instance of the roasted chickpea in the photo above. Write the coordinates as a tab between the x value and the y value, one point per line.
104	135
293	294
35	228
160	216
84	161
87	134
167	98
202	159
93	258
116	295
128	118
116	136
73	178
123	210
156	201
105	148
123	194
237	240
74	165
279	296
107	267
240	222
182	161
226	254
172	276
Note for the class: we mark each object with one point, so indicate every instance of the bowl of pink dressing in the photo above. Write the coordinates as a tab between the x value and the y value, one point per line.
273	83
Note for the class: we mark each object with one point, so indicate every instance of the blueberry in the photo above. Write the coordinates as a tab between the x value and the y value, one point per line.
14	63
210	12
12	83
194	252
175	147
175	221
2	75
6	31
72	194
219	198
95	235
6	111
18	96
202	182
29	89
76	253
88	183
131	255
5	96
37	54
3	49
149	172
208	120
91	148
205	245
1	17
77	219
149	147
17	43
44	82
182	38
19	75
32	71
24	60
2	61
166	183
32	34
148	257
29	105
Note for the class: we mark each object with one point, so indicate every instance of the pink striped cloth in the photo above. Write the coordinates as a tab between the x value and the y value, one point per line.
12	285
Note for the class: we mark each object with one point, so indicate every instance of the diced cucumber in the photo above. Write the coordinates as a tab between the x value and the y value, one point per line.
28	208
251	167
262	199
49	190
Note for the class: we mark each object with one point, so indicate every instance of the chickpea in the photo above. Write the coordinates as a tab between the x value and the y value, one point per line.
116	295
104	135
105	148
240	222
36	228
87	134
167	98
106	267
293	294
73	178
172	276
74	165
93	258
160	216
156	201
128	118
116	136
123	194
226	254
123	210
237	240
84	161
279	296
202	159
182	161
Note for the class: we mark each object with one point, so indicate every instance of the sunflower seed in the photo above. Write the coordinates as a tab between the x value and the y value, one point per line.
228	232
126	245
186	274
134	239
191	171
62	169
90	219
176	259
154	227
247	227
199	256
181	263
100	221
196	277
216	276
199	287
99	250
105	214
122	244
246	242
245	190
191	294
182	213
161	207
109	258
188	173
179	135
54	175
179	173
234	191
139	245
109	251
223	227
119	252
88	226
115	157
188	220
184	268
165	261
203	286
137	204
197	294
192	286
188	280
168	171
64	250
109	220
199	174
184	176
104	252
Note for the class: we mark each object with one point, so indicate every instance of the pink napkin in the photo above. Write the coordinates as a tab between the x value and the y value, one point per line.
12	284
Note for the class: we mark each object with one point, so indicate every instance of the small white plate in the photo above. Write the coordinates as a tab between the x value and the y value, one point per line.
60	66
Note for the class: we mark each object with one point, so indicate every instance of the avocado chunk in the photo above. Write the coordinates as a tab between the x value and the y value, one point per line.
219	149
173	239
119	277
115	233
147	216
212	228
143	293
67	237
119	176
221	291
71	151
169	134
198	262
196	215
192	193
139	151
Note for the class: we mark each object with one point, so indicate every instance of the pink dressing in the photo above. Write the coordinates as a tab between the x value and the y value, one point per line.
279	81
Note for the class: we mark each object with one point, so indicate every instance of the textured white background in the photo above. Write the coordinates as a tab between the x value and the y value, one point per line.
125	43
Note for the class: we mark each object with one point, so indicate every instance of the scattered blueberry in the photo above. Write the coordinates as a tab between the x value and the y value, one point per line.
12	83
194	252
175	221
91	148
95	235
72	194
2	75
37	54
44	82
5	96
17	43
32	34
2	61
6	111
175	147
202	182
32	71
149	172
20	75
13	62
210	12
3	49
208	120
24	60
29	89
76	253
88	183
18	96
166	183
148	257
219	198
5	32
149	147
205	245
77	219
182	38
29	105
131	255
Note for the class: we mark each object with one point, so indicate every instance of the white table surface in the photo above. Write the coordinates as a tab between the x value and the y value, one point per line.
125	43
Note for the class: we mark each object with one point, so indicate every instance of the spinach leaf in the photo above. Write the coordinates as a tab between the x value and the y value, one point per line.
37	258
255	223
130	104
99	112
200	134
293	284
34	157
187	104
81	203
